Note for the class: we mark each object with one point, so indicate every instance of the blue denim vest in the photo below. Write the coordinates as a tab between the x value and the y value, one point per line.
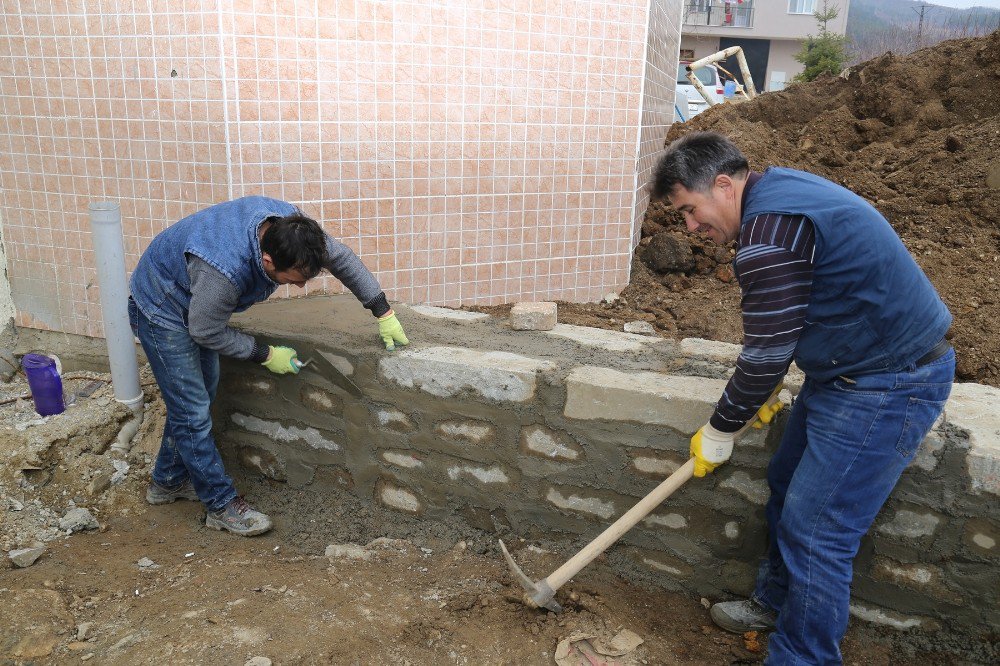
224	236
871	308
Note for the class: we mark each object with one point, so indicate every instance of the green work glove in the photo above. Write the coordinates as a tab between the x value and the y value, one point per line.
710	448
391	331
281	360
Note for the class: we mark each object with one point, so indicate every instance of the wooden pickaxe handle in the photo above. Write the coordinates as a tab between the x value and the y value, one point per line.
614	531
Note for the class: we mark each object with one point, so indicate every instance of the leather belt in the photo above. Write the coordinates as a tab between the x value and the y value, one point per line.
936	352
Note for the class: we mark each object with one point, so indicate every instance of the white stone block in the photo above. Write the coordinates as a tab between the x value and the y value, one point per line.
973	408
602	339
475	432
683	403
448	371
399	498
711	350
755	490
400	459
910	525
591	505
674	521
884	617
539	441
387	417
639	328
540	316
447	313
276	430
491	475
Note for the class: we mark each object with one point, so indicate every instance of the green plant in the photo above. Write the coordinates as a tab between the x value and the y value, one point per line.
823	53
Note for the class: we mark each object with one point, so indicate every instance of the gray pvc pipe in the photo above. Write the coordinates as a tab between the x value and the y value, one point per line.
109	255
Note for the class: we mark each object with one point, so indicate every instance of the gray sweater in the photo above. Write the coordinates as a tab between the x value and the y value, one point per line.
214	299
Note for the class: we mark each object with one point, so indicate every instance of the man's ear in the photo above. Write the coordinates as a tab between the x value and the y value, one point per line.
265	259
726	185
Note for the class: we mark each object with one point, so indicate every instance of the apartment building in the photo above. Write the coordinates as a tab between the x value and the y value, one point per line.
770	32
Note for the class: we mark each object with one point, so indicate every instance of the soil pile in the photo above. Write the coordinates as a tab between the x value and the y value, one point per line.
918	137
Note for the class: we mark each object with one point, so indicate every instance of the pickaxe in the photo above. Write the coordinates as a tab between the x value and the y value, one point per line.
541	594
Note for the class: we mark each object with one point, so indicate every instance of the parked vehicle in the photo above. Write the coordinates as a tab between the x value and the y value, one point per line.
709	77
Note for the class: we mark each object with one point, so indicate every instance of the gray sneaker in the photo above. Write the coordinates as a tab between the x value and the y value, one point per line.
239	518
743	616
157	494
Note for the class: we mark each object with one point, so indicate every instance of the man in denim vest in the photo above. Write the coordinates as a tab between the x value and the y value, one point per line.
825	282
189	281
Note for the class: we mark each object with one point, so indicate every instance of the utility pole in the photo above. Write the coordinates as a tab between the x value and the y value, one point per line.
920	24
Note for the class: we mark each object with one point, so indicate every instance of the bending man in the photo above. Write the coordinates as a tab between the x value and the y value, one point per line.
189	281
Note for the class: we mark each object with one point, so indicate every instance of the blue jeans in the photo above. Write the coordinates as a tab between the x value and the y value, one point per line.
843	450
188	376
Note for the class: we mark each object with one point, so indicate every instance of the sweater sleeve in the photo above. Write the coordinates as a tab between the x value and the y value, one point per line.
213	300
774	266
347	267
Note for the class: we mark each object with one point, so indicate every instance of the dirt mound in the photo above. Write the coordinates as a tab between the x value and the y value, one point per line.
918	136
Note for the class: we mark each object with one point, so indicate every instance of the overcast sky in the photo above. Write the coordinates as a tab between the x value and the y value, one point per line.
994	4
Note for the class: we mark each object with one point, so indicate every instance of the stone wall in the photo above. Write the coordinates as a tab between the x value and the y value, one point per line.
552	435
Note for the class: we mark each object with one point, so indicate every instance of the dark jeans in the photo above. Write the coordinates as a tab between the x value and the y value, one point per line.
842	453
188	377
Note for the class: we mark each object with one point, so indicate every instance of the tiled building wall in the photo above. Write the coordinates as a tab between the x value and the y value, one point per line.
470	152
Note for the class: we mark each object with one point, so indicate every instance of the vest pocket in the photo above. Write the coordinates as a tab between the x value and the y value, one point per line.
920	416
824	346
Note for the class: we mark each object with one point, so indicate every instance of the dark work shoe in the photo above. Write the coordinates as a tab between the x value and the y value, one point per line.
742	616
239	518
157	494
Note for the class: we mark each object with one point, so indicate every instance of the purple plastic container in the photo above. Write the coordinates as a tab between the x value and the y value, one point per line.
46	385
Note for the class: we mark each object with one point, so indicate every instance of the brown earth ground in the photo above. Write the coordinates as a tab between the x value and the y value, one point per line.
428	593
919	137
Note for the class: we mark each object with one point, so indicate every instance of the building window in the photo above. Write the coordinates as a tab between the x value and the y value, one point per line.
801	6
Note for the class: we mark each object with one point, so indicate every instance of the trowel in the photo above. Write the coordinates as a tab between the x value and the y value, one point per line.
324	367
541	594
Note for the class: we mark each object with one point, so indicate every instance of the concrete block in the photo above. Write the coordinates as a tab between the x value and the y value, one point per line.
398	498
449	371
542	442
755	490
683	403
402	459
319	400
539	316
973	408
279	432
910	524
393	419
607	340
486	475
263	462
581	503
447	313
474	432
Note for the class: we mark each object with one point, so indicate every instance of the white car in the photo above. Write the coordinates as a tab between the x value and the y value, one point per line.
709	77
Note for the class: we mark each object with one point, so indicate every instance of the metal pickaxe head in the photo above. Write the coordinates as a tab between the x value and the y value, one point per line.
537	594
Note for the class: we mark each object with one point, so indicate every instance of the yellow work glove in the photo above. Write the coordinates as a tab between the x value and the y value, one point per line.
710	448
391	331
281	360
769	409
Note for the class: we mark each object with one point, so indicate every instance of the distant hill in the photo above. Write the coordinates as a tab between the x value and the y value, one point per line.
877	26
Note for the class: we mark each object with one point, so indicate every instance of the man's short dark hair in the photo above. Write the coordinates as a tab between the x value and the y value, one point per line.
295	242
694	160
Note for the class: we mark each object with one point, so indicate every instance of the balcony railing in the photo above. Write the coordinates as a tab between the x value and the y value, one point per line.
719	13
